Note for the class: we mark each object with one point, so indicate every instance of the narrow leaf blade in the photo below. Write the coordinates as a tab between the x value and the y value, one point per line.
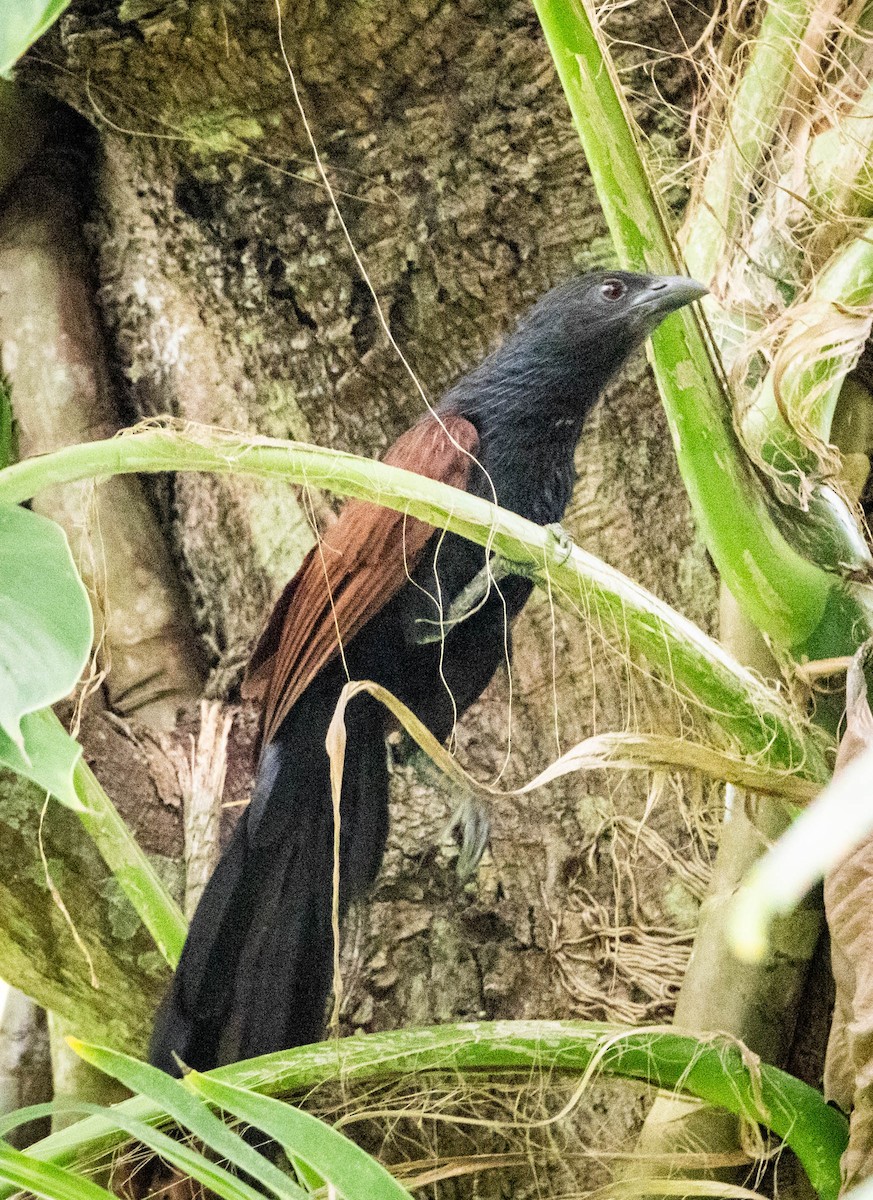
45	1179
342	1164
186	1108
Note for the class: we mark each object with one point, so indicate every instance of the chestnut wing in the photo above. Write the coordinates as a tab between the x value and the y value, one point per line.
352	573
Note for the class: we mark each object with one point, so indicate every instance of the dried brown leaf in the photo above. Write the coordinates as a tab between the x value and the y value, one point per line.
849	906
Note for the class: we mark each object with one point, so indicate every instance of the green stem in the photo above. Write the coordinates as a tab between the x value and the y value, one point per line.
803	609
131	868
839	162
744	709
715	1069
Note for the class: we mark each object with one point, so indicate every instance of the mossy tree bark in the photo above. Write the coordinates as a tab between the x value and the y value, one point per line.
227	294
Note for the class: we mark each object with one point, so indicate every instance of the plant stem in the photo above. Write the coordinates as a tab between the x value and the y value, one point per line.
846	282
715	1069
751	122
802	608
838	160
743	708
134	873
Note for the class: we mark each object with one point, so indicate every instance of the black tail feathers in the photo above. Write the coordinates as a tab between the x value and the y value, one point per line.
257	967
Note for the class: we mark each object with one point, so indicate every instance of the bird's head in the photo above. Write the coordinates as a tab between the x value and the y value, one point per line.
568	346
599	318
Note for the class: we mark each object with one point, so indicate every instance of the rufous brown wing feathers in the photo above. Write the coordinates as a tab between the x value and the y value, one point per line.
360	564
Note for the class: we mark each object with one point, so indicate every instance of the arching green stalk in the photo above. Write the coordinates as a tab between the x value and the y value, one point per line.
746	711
716	1069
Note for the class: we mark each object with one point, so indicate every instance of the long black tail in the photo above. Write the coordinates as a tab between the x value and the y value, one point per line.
257	967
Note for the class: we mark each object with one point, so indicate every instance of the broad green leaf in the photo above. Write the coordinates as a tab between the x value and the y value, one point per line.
339	1162
191	1112
48	756
21	23
45	1179
46	625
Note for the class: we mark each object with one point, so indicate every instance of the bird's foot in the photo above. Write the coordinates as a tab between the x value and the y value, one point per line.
562	539
471	826
473	596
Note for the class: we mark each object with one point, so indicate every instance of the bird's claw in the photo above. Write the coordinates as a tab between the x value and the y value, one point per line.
471	598
563	541
472	825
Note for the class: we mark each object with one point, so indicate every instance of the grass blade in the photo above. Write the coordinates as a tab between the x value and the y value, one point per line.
28	1174
170	1149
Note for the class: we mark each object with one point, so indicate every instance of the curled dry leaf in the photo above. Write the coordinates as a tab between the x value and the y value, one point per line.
849	905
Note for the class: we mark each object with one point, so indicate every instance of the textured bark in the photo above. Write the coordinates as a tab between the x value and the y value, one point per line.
55	361
228	295
52	351
25	1071
70	937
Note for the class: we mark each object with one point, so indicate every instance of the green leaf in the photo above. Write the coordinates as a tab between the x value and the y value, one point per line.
46	626
172	1150
348	1168
45	1179
21	23
191	1112
48	756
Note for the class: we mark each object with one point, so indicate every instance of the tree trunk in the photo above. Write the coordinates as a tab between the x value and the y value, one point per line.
228	295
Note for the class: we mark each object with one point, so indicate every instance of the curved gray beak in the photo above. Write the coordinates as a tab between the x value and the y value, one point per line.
666	293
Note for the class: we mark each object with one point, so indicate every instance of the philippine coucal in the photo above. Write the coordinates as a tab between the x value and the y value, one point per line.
257	967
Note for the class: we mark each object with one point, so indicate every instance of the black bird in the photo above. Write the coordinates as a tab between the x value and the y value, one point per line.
257	967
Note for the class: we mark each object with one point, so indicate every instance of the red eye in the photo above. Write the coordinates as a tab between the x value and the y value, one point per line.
613	289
